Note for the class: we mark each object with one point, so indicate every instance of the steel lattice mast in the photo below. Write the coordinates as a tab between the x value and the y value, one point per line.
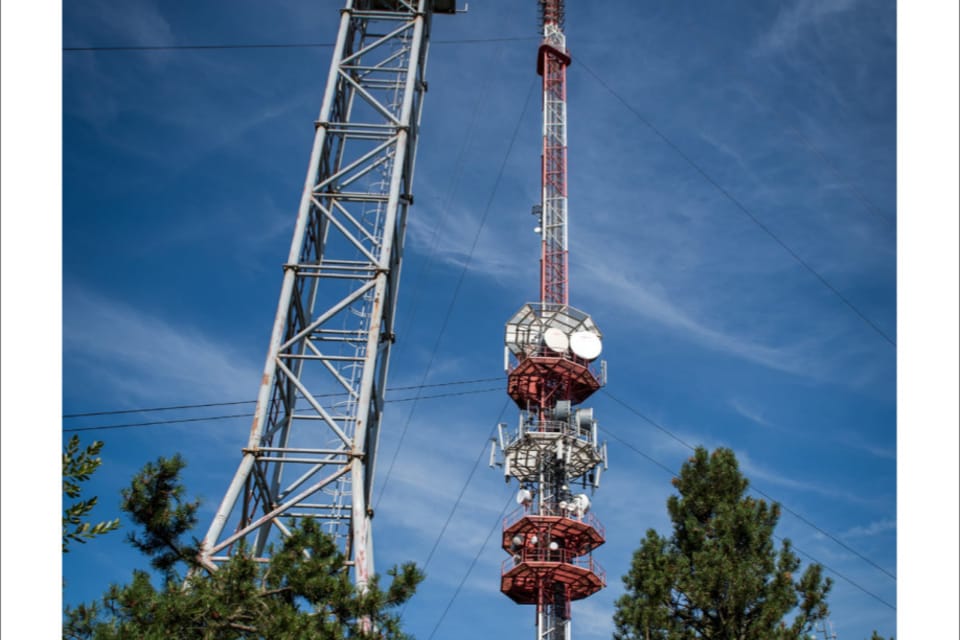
551	352
552	62
313	442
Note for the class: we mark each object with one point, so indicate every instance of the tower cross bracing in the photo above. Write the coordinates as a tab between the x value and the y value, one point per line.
312	447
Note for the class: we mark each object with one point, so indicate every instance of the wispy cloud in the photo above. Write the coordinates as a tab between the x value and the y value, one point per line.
611	282
456	238
134	23
137	356
658	306
755	471
749	412
848	438
794	20
872	529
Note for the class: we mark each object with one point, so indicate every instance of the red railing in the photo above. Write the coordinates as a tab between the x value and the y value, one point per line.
588	518
559	557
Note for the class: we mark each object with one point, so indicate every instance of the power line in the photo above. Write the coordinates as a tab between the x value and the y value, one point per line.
476	462
448	201
637	451
226	404
118	412
838	574
648	420
849	183
275	45
830	569
496	525
476	557
826	533
456	290
446	395
743	209
463	490
131	425
792	512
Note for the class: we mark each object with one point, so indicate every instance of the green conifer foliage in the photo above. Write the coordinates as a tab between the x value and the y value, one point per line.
78	465
303	592
719	575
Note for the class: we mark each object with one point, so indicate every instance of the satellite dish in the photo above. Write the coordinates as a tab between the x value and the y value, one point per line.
586	344
556	340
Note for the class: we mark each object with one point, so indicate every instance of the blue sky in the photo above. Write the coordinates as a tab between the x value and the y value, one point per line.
733	232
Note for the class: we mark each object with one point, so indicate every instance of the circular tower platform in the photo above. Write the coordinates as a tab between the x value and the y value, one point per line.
551	549
523	581
526	382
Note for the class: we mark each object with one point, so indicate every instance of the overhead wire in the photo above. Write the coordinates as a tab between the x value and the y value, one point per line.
746	77
792	512
463	490
655	130
445	206
838	574
416	287
459	284
225	404
808	555
858	193
131	425
496	525
117	412
456	503
739	205
275	45
607	432
860	196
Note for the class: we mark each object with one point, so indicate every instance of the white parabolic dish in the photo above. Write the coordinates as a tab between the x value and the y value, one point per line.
586	344
556	340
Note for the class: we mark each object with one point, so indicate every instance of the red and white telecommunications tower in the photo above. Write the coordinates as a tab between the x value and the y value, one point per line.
313	443
551	350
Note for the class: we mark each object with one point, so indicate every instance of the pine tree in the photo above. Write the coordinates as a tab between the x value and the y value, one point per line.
78	465
304	592
719	575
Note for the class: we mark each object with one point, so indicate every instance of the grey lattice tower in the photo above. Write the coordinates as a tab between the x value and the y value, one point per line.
313	443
